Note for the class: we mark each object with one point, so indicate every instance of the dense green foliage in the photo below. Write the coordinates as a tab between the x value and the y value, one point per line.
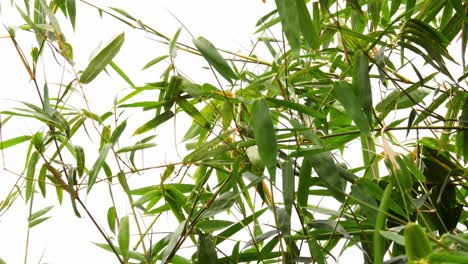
351	135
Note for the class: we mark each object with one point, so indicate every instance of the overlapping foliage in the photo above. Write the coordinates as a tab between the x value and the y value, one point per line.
266	148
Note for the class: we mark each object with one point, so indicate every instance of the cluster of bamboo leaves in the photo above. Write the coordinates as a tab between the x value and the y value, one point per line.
340	141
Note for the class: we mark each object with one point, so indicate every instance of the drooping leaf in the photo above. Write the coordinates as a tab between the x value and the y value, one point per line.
98	165
80	160
265	136
173	241
211	54
124	236
416	242
172	44
328	173
343	91
206	251
71	10
102	59
220	204
362	85
288	13
111	218
30	175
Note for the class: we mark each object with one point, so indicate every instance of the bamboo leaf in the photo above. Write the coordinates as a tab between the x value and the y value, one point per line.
211	54
206	251
308	29
154	61
39	213
102	59
298	107
124	237
80	160
173	241
265	136
361	83
288	190
71	10
37	221
13	141
111	218
172	44
416	242
328	173
220	204
343	91
98	165
117	133
136	147
153	123
288	13
193	112
30	174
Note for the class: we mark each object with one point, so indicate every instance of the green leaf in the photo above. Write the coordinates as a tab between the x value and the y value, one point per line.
288	186
416	242
136	147
154	61
298	107
193	112
39	213
104	57
343	91
449	257
13	141
37	221
80	160
361	83
124	237
211	54
30	175
173	241
71	10
123	182
265	136
288	13
173	90
395	237
98	165
328	173
172	44
464	122
153	123
209	226
111	218
308	30
206	251
117	133
71	189
220	204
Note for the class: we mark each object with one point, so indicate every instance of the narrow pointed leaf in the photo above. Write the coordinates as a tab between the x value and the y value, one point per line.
265	136
80	160
416	242
343	91
30	175
362	85
153	123
206	251
308	30
98	165
124	237
328	173
211	54
102	59
111	218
